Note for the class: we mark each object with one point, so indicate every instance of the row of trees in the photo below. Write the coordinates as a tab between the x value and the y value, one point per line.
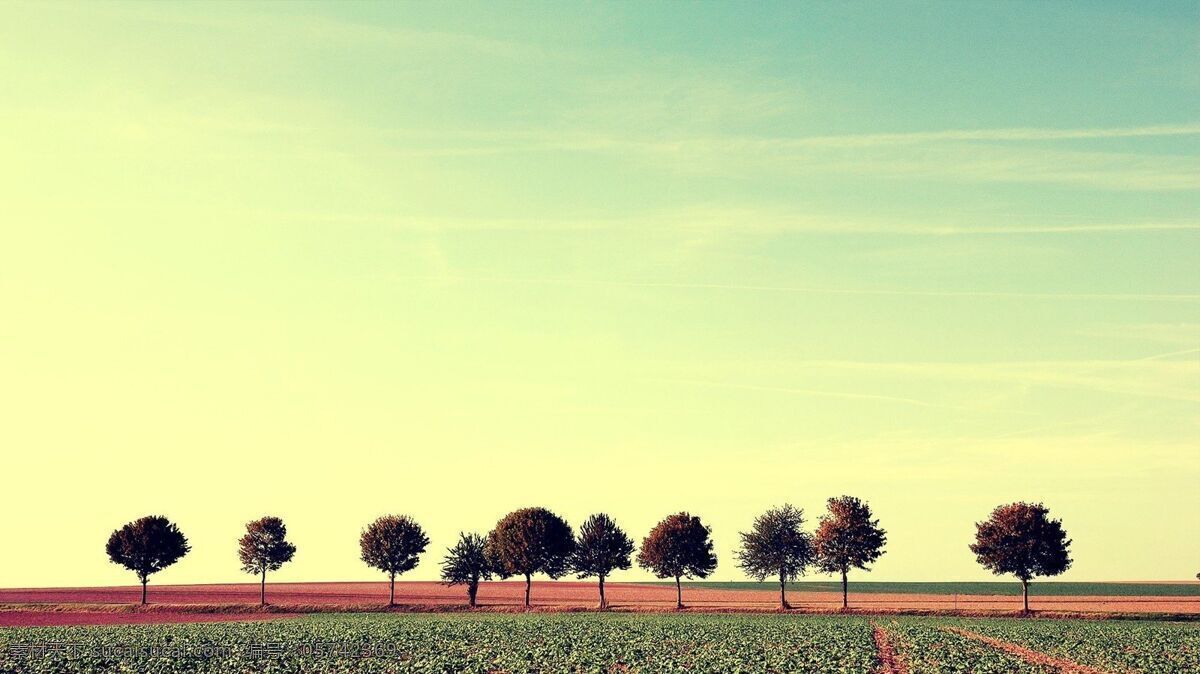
1018	539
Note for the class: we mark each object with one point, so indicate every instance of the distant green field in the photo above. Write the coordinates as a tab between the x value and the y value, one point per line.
1013	588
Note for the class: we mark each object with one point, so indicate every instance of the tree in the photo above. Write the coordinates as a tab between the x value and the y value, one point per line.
779	546
393	544
264	548
466	564
602	547
678	546
848	538
147	546
529	541
1021	539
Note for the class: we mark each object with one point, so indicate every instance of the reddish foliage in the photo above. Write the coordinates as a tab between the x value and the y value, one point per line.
1021	539
678	547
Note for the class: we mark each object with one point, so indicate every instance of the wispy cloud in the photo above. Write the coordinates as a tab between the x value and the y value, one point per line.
1014	134
947	161
314	27
955	460
1180	334
999	155
989	163
596	139
813	392
1164	375
1161	356
996	390
726	220
1148	297
775	219
666	95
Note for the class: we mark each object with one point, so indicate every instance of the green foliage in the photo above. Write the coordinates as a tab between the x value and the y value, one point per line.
529	541
600	643
147	546
679	546
602	547
479	643
1109	645
777	545
1046	589
393	544
1021	539
848	537
265	547
928	649
467	563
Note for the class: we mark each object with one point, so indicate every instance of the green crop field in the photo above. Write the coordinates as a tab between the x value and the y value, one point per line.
1113	646
1011	588
593	643
929	648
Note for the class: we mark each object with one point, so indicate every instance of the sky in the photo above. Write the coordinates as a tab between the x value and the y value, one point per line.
333	261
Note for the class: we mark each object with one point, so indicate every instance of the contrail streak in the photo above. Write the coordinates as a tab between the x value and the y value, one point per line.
821	291
811	392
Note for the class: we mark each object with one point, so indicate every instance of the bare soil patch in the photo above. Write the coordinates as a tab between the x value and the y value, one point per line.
1029	655
49	618
551	596
890	661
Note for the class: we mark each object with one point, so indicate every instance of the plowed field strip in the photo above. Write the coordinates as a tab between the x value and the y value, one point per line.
1061	664
890	661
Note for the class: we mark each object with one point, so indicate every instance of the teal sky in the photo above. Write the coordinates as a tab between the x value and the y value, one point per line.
328	261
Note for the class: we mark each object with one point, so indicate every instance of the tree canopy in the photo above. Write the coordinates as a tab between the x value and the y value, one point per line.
678	547
848	538
393	544
466	563
777	546
1021	539
147	546
602	547
529	541
265	547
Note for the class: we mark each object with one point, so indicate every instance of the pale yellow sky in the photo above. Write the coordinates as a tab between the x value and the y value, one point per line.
331	261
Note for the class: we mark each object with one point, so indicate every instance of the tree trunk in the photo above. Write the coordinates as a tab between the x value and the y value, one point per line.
262	590
392	589
144	591
1025	593
528	583
783	592
845	592
472	590
603	602
678	594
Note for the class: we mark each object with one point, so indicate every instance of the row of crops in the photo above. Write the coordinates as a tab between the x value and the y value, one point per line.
1113	646
592	643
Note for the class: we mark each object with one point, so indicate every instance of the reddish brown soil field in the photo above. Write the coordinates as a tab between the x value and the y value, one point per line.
236	599
43	618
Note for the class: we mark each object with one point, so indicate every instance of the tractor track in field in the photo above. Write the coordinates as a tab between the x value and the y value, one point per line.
890	661
1027	654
